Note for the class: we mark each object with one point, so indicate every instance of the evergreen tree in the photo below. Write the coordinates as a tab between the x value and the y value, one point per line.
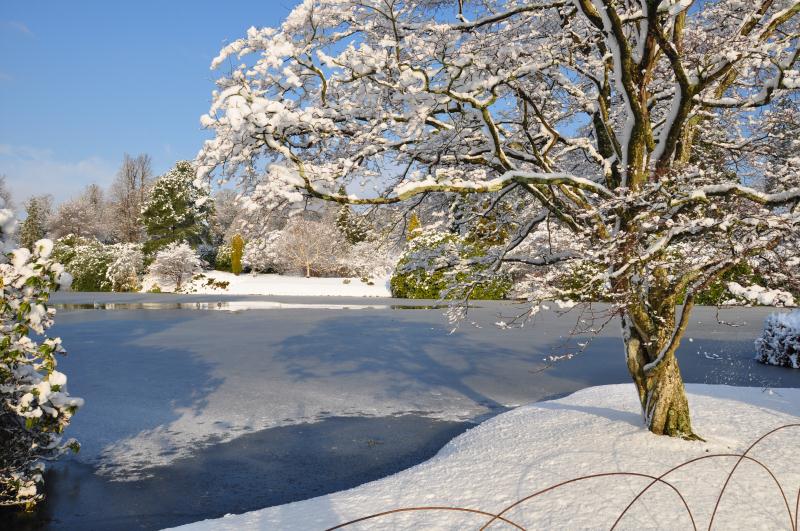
350	226
237	248
34	227
176	210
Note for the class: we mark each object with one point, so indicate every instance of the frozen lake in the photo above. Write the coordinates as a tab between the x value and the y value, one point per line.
197	406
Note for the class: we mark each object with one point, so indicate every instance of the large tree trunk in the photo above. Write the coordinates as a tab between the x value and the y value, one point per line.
661	391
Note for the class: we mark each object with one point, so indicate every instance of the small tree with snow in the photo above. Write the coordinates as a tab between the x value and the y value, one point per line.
779	344
175	264
35	407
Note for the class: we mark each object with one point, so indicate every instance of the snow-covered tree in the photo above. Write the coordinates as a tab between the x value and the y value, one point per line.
653	131
176	210
128	194
35	407
175	264
5	194
126	267
85	215
37	214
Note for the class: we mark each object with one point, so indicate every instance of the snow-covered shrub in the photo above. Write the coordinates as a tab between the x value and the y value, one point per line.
175	264
261	254
208	253
779	343
440	265
371	259
35	407
222	261
124	271
87	260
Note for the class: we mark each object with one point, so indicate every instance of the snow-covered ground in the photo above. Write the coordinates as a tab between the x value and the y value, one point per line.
281	285
594	431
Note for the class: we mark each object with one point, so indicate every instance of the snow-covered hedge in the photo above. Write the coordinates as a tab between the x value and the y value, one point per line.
779	344
34	404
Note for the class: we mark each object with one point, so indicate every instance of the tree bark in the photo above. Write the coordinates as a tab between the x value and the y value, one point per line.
661	391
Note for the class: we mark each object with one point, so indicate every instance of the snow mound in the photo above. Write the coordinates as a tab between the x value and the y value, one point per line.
780	342
284	286
594	431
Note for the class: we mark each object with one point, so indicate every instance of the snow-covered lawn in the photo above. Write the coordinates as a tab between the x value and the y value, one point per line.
282	285
596	430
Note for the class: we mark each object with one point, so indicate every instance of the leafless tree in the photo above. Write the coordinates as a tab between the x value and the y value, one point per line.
128	193
85	215
311	246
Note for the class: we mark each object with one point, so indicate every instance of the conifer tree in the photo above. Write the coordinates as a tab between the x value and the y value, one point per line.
34	227
237	249
176	210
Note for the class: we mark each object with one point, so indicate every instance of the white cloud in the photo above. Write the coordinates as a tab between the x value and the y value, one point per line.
34	171
20	27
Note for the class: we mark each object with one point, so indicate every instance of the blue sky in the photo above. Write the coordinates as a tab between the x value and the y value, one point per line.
83	82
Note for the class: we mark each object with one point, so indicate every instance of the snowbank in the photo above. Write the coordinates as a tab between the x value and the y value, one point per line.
596	430
280	285
780	342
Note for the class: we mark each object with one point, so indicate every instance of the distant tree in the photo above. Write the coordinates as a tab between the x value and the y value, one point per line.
34	228
311	246
226	211
85	215
128	194
5	194
176	210
350	225
237	248
175	264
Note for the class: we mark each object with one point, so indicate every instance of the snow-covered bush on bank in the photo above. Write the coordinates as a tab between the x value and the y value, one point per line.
779	344
34	404
95	266
175	264
124	272
87	260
